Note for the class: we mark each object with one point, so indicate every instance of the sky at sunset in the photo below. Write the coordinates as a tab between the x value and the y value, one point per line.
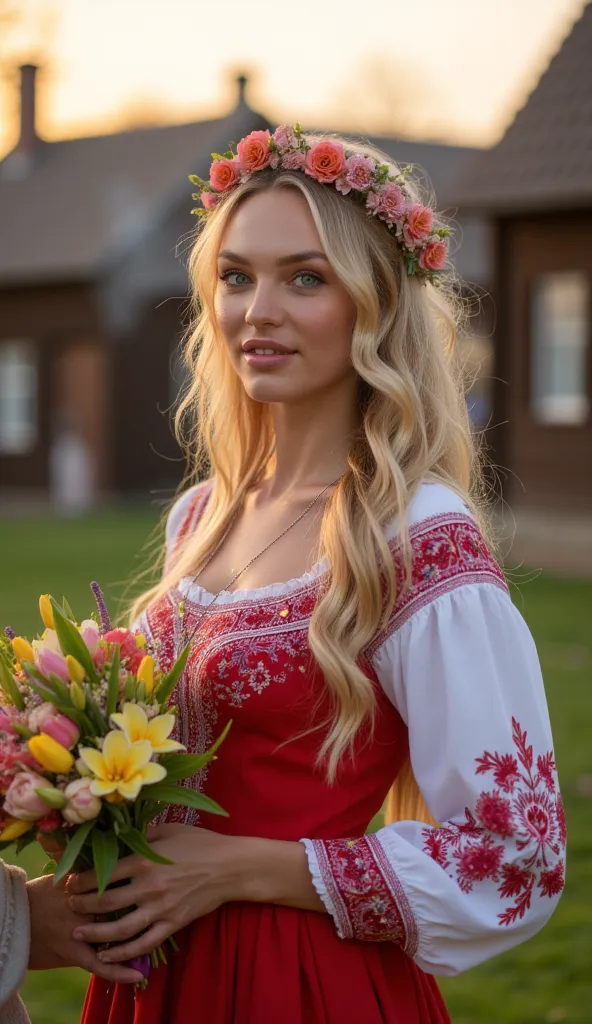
453	70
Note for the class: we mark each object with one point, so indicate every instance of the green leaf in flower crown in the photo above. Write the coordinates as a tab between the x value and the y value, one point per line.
114	682
105	850
138	844
184	797
72	643
73	849
167	683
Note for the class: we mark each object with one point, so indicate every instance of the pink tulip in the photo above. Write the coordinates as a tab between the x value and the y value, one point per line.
82	804
22	801
48	661
62	729
90	633
41	714
6	722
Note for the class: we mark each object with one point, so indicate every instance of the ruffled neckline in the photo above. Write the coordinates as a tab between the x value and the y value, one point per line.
195	592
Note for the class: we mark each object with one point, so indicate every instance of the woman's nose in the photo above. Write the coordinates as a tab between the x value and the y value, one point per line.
265	307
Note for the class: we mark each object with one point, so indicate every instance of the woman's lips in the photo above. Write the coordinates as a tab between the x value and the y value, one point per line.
268	362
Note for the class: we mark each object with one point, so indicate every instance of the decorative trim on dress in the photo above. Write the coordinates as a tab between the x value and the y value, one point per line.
363	893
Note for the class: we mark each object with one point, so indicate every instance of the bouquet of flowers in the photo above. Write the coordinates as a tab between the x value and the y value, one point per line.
85	750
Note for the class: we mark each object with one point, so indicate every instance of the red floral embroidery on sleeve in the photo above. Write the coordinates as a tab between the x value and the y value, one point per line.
526	808
365	893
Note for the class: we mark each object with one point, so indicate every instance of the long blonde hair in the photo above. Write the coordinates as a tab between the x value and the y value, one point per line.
413	425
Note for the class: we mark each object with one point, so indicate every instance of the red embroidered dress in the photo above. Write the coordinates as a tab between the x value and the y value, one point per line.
458	684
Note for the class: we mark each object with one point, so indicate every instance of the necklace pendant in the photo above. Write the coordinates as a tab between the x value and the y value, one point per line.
181	608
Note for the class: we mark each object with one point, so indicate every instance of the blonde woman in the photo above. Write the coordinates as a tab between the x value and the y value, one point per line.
347	615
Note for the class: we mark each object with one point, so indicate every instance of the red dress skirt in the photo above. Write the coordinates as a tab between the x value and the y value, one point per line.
251	963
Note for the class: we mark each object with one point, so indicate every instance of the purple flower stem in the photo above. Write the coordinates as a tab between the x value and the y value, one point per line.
102	607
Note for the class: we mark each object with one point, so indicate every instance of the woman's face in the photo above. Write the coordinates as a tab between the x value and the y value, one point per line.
283	312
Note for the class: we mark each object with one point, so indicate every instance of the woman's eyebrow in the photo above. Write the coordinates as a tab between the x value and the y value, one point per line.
295	257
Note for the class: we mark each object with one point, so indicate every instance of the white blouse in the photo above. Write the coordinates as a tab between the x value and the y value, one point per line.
460	666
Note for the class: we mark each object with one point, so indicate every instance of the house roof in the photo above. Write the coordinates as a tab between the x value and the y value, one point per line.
81	202
545	158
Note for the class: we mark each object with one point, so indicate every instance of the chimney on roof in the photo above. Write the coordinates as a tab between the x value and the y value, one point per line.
242	81
28	137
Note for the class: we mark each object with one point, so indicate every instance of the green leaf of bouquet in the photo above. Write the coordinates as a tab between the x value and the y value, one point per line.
113	689
72	643
105	856
68	610
22	730
24	841
49	868
73	849
8	684
167	683
137	843
185	797
94	712
182	766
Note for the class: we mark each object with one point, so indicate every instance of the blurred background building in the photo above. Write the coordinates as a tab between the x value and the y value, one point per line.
94	234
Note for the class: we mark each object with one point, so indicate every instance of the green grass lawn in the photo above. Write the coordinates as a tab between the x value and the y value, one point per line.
549	979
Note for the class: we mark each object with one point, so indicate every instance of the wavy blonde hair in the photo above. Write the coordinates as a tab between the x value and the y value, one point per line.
413	425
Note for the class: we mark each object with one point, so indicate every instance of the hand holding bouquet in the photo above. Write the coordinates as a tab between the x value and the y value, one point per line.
85	750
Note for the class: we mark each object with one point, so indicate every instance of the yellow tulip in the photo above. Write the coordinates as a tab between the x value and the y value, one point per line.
140	641
46	611
75	669
121	767
78	696
22	648
146	673
13	829
134	722
51	754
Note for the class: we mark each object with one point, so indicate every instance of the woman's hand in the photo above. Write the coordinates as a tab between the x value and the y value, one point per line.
205	874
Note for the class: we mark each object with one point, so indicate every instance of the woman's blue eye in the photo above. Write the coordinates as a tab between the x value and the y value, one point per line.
311	277
236	273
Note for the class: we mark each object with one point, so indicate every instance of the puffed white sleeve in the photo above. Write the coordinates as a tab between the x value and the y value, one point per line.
185	511
461	667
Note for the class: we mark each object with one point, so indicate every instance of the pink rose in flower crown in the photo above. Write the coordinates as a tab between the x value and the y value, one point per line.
128	647
325	161
21	800
284	137
433	257
358	172
253	151
418	224
392	202
209	200
224	174
82	804
294	161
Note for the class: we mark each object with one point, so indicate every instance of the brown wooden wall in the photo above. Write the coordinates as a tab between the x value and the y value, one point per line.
61	323
548	466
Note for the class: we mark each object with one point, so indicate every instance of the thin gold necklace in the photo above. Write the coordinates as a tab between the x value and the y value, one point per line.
187	639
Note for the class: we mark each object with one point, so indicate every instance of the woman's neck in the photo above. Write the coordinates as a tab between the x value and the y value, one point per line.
312	442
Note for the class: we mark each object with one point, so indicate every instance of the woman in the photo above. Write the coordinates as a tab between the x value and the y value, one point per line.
343	467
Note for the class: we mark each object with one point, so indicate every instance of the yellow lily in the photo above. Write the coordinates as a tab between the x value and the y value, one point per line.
51	754
145	673
13	829
134	722
121	767
46	611
22	648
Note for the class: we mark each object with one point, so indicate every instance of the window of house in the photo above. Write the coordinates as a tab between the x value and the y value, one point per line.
18	397
559	349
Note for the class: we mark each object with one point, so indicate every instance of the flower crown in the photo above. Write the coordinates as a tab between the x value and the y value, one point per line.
383	188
